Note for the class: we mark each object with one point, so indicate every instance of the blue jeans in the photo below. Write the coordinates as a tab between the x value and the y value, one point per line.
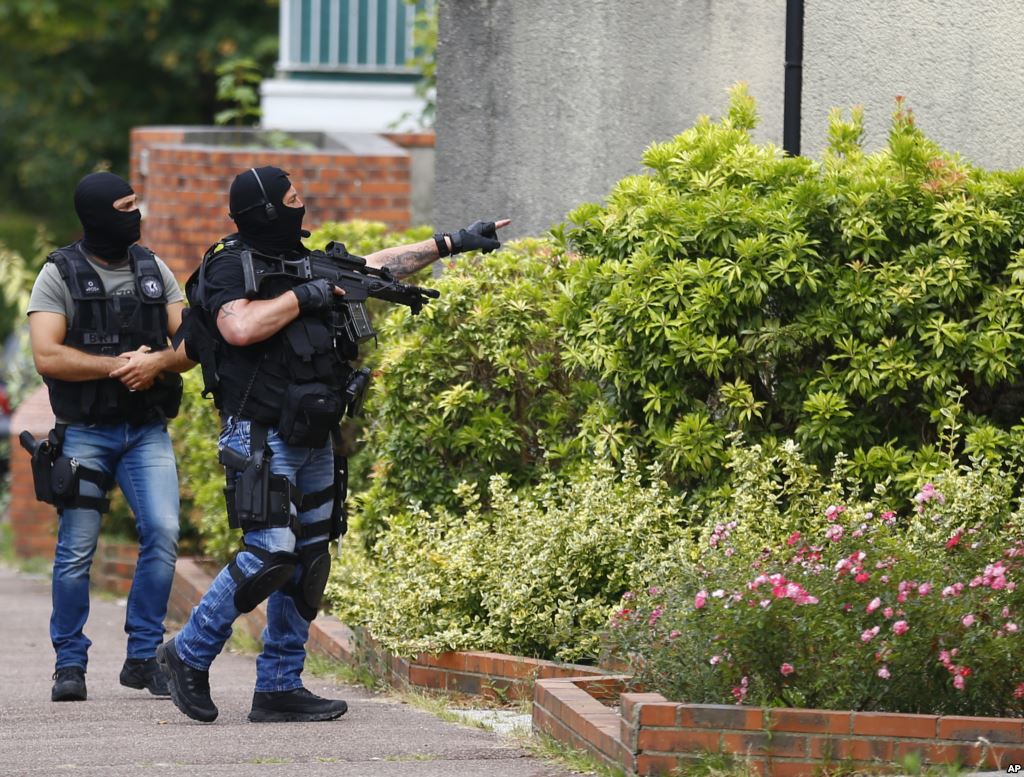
279	666
141	460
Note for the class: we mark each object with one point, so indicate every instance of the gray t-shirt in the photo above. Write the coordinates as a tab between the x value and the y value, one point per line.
51	295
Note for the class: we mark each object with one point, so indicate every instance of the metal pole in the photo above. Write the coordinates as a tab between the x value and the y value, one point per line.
794	77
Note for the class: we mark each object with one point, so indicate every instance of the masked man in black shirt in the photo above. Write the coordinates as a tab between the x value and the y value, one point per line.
278	372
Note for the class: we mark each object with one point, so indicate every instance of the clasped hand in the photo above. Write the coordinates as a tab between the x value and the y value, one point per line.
141	367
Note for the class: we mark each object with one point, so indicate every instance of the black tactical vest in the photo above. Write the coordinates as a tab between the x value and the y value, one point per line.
109	325
251	382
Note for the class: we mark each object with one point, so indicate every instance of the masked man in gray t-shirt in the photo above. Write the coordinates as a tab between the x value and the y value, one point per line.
101	315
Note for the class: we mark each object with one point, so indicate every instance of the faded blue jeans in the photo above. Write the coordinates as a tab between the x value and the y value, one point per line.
142	461
279	666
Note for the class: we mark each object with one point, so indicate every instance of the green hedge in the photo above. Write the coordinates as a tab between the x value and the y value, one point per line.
837	302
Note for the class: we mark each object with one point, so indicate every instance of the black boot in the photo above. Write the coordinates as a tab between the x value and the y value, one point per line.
68	684
144	673
190	688
298	705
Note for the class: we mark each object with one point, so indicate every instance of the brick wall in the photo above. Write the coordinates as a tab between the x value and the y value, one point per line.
185	187
651	735
33	524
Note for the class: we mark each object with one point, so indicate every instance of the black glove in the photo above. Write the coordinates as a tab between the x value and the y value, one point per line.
480	235
314	295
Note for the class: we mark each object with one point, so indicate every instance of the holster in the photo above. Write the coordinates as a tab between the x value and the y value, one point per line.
255	498
57	479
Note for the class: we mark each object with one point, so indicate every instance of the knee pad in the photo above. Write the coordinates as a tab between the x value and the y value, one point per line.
309	589
276	572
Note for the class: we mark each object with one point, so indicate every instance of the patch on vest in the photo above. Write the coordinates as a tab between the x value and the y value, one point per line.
152	288
91	287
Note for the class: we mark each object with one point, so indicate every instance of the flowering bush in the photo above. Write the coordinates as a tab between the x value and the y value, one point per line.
867	605
535	574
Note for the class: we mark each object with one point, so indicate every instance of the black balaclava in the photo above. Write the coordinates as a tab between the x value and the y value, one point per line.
273	232
108	232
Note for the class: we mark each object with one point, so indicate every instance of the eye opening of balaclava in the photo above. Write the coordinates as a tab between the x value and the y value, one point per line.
107	232
273	229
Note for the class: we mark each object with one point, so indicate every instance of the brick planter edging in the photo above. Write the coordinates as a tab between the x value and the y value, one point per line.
651	735
476	673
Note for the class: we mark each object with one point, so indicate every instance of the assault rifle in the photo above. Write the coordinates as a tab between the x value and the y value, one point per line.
348	272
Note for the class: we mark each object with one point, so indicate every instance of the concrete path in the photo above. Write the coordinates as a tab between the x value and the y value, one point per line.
120	732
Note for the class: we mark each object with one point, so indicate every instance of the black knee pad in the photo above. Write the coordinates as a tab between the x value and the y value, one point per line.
276	572
309	590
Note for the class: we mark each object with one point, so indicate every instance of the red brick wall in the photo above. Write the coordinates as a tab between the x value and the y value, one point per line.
186	189
651	735
33	524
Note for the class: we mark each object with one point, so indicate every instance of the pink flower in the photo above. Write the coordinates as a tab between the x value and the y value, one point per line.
967	620
1011	627
740	691
1018	692
884	673
869	634
924	589
953	541
888	517
794	538
674	634
958	683
887	612
873	605
700	600
834	532
787	670
714	660
863	577
900	628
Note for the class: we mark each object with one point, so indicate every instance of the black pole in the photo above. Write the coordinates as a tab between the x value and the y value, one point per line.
794	77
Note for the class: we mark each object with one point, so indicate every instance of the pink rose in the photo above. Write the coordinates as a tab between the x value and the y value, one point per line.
967	620
884	673
900	628
924	589
787	670
887	612
958	683
873	605
700	600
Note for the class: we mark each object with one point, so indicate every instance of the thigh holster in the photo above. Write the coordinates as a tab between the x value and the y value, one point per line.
275	574
57	479
258	499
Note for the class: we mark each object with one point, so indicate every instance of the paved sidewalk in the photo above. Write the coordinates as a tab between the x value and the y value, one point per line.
120	732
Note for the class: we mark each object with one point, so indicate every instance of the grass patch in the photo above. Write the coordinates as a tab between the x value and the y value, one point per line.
268	759
412	757
243	642
579	761
322	666
438	706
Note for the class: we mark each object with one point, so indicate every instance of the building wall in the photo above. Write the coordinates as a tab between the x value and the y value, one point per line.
184	185
543	106
960	67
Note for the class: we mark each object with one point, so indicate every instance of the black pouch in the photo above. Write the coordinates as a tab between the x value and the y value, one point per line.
311	411
43	453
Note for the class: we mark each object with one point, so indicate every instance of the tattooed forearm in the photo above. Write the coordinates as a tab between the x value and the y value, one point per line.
226	310
408	262
405	260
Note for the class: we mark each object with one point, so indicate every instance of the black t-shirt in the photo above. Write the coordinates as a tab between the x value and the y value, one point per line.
225	282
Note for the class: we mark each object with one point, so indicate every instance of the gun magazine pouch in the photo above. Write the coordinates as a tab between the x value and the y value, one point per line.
311	411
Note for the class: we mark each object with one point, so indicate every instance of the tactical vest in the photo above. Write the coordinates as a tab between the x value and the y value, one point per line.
251	382
109	325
